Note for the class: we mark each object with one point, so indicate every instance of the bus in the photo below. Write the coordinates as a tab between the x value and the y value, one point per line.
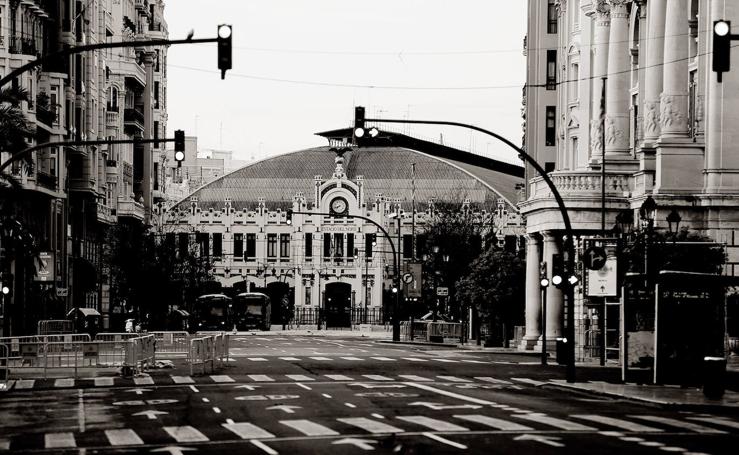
252	310
212	312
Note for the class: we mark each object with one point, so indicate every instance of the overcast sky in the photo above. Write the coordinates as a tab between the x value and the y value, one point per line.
300	67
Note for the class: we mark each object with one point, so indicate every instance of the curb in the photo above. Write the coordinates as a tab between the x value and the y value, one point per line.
462	346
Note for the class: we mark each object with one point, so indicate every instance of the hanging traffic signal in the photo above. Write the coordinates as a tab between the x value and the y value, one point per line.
289	217
6	284
721	47
179	147
557	270
224	48
543	280
358	122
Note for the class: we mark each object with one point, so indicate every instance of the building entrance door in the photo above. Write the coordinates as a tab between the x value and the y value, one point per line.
338	305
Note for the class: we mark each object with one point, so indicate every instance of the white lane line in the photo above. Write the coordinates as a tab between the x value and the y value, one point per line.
65	382
492	422
293	359
383	359
554	422
183	380
451	394
246	430
472	361
370	425
326	395
672	449
303	386
446	360
493	380
453	379
25	384
309	428
205	400
432	424
528	381
194	389
220	378
377	377
338	377
618	423
651	444
123	437
299	377
81	410
320	358
103	382
413	377
445	441
349	405
415	359
267	449
260	378
146	380
59	440
186	434
679	424
377	416
217	410
257	359
722	421
355	359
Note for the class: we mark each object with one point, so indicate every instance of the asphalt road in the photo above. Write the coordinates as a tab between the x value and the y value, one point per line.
309	395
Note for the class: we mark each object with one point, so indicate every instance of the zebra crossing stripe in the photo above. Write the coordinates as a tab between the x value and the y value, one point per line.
492	422
472	361
377	377
413	377
24	383
618	423
414	359
257	359
246	430
355	359
433	424
320	358
384	359
59	440
717	421
147	380
260	378
186	434
493	380
309	428
370	425
446	360
299	377
183	380
338	377
103	382
679	424
292	359
65	382
528	381
221	378
453	379
267	449
123	437
554	422
446	441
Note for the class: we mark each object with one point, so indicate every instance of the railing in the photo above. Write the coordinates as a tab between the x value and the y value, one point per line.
104	213
588	183
53	326
208	349
171	342
130	208
310	316
111	118
133	115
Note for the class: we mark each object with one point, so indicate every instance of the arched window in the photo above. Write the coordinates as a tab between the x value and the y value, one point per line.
112	103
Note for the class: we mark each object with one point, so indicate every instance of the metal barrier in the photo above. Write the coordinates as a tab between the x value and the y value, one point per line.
116	336
4	367
172	342
85	355
444	330
201	352
55	326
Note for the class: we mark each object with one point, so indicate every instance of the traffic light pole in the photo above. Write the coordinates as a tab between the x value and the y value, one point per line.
396	305
569	245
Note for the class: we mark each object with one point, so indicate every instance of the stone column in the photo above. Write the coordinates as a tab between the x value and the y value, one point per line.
602	24
617	86
674	99
533	292
653	78
555	297
148	127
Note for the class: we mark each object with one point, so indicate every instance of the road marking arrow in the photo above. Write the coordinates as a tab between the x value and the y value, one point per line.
138	391
151	414
439	406
287	409
378	386
549	440
247	387
174	450
364	444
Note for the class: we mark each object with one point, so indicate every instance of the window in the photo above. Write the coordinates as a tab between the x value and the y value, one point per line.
573	153
326	245
369	239
251	246
692	105
574	82
338	245
204	243
308	245
284	245
156	135
238	246
184	245
551	17
551	69
421	247
307	295
350	245
217	244
407	246
156	94
271	245
549	167
551	126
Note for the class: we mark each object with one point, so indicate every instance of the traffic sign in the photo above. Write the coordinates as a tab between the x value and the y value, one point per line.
594	258
407	278
442	291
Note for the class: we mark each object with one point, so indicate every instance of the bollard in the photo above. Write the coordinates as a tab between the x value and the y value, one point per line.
714	374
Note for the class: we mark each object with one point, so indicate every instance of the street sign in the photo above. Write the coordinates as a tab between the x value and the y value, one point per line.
604	282
594	258
407	278
61	292
442	291
46	267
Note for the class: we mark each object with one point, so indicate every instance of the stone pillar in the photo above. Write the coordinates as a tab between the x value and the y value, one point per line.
148	127
602	23
533	292
653	79
617	86
555	297
674	99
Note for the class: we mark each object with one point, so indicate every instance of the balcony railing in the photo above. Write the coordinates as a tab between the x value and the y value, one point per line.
128	208
104	214
46	180
134	117
581	183
25	46
111	119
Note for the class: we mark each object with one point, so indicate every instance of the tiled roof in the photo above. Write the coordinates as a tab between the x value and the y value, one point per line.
385	170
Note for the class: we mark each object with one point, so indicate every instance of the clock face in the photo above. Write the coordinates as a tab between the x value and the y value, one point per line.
339	205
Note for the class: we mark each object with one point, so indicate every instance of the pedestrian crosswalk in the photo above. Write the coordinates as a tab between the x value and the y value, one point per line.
380	425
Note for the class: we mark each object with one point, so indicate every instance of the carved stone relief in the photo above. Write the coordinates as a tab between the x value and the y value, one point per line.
614	134
671	116
596	133
651	118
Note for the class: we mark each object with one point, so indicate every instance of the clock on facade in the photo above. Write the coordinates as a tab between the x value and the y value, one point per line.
339	205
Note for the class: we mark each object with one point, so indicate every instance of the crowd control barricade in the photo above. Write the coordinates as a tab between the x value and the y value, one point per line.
23	352
84	355
221	345
171	342
4	367
55	327
201	352
444	330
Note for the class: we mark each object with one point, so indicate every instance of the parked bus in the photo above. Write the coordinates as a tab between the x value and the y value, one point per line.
252	310
212	312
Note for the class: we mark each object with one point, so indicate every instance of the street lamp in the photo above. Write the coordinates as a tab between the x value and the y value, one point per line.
673	219
647	212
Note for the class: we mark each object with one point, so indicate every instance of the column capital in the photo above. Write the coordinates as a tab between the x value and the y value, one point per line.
561	6
618	8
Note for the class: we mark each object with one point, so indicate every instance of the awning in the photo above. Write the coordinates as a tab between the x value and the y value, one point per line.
84	311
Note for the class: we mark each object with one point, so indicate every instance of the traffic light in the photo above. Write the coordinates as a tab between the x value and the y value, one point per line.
359	128
179	147
558	270
721	47
356	253
289	217
543	280
224	48
6	284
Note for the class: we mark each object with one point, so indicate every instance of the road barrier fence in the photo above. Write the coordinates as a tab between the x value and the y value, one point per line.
55	327
207	349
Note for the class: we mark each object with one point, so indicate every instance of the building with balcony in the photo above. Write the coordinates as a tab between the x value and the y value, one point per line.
626	85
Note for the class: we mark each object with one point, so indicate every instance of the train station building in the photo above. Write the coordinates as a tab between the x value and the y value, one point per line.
342	267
